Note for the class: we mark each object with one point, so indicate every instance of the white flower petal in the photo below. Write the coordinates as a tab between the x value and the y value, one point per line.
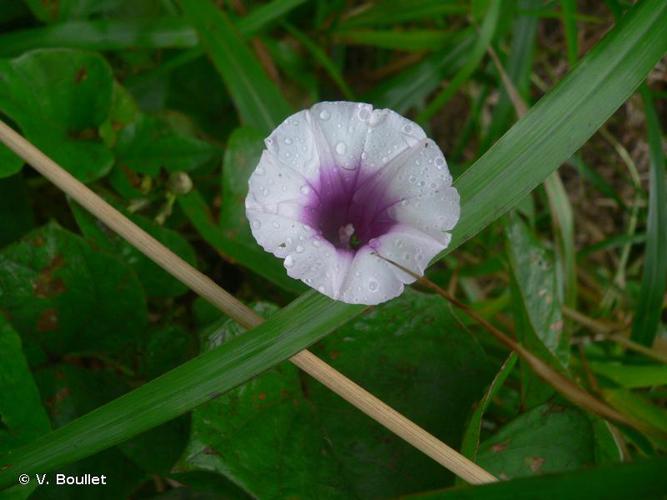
370	280
272	184
433	213
293	145
410	248
342	133
389	135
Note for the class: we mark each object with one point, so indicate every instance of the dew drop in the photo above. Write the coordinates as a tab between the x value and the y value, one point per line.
320	289
404	202
289	261
407	128
324	115
364	114
259	170
341	148
304	189
412	179
299	249
288	140
421	184
439	163
364	155
316	243
373	285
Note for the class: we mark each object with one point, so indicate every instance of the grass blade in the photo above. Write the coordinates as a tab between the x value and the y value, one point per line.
487	31
307	319
257	99
654	279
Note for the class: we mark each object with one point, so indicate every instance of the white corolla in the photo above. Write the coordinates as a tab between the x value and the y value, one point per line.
342	191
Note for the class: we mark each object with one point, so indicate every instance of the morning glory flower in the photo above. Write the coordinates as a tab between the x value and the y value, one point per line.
342	189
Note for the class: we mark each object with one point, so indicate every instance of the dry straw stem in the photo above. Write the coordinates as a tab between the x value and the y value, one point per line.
209	290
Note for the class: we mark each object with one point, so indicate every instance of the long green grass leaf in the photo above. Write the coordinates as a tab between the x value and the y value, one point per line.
307	320
654	280
257	99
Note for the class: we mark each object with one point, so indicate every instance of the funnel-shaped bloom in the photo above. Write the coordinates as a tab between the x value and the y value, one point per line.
341	184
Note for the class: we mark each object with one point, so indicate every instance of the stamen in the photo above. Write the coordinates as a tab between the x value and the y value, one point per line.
344	235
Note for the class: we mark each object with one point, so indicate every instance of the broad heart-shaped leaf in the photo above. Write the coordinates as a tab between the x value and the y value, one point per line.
537	306
21	411
69	391
64	297
22	416
156	281
149	144
548	438
283	434
59	98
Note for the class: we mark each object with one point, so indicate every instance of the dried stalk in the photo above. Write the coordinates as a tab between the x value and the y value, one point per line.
209	290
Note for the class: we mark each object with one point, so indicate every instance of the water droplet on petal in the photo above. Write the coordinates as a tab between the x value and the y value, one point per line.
259	170
324	115
341	148
412	179
299	249
256	224
304	189
276	225
364	155
373	285
439	163
320	289
289	261
364	114
316	243
404	202
288	140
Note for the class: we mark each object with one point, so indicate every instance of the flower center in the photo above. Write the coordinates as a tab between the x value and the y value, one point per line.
348	209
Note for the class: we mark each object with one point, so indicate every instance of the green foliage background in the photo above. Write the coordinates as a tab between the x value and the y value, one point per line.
110	366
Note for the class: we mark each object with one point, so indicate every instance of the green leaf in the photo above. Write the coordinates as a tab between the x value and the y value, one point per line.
654	279
22	415
474	58
257	99
642	479
62	10
16	214
410	87
298	436
473	430
65	297
537	307
156	281
150	144
310	318
102	35
389	12
632	376
548	438
562	120
393	39
59	98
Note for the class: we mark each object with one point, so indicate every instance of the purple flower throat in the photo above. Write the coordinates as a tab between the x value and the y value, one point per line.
349	208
